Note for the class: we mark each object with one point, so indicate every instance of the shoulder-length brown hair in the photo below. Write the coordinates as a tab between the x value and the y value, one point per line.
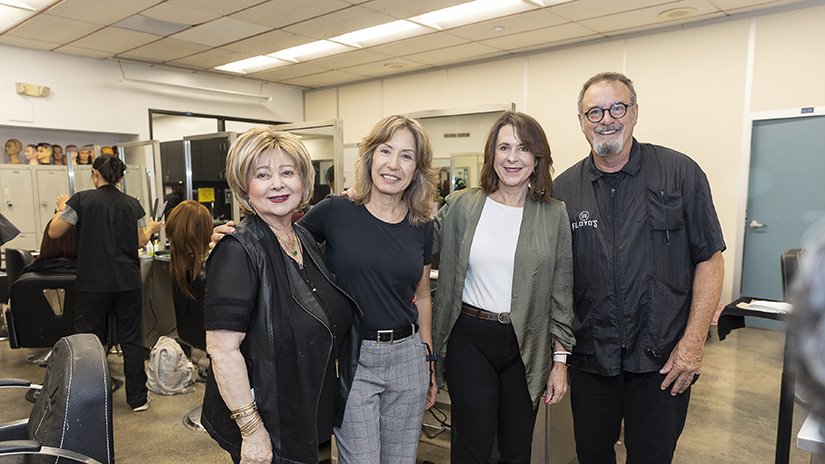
532	136
419	194
61	247
189	230
244	152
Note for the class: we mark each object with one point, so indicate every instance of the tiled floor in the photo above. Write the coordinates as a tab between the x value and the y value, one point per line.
732	415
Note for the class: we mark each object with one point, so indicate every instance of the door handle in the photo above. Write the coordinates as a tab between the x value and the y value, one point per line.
756	225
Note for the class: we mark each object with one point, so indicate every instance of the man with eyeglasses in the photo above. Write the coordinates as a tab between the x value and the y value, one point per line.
648	275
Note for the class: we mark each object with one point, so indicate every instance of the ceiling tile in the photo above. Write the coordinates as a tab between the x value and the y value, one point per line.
349	59
514	24
739	6
173	13
540	38
93	11
27	43
465	52
620	22
165	50
210	58
580	10
419	44
280	13
402	9
220	31
378	69
324	79
85	52
115	40
219	7
267	42
288	72
339	22
48	28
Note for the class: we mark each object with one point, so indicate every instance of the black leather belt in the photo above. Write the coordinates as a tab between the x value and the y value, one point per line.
389	336
503	318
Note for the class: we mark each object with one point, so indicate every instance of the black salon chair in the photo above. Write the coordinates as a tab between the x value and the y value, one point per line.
189	320
72	417
16	260
41	309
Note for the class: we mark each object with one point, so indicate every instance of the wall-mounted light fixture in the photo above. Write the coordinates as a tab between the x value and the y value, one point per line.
32	90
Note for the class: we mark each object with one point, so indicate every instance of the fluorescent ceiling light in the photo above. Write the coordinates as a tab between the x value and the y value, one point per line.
309	51
471	12
256	63
18	4
395	30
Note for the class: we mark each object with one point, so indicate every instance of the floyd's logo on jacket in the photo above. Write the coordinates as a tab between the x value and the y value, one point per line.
585	221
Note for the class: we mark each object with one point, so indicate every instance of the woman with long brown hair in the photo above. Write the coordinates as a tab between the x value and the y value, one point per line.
188	229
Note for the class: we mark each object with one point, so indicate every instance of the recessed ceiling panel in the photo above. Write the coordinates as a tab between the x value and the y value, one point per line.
174	13
84	52
419	44
540	38
619	22
267	42
339	22
580	10
387	67
219	7
27	43
280	13
288	72
514	24
466	52
403	9
349	59
165	50
48	28
95	11
220	31
211	58
324	79
114	40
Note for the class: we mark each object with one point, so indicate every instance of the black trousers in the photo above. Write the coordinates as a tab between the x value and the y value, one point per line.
91	309
488	393
653	419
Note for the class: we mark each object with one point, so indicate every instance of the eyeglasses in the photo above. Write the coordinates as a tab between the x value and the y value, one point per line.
616	110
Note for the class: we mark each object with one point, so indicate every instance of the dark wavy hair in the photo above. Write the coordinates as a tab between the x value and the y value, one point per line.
110	167
532	136
189	230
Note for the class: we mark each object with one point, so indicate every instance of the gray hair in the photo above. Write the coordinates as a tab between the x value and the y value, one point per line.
609	77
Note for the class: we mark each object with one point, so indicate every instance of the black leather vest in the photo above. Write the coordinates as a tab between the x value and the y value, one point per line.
286	349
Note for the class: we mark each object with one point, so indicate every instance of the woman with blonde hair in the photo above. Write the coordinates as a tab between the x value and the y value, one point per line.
282	336
379	245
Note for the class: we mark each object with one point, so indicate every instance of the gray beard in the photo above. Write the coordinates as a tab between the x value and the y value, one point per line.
608	147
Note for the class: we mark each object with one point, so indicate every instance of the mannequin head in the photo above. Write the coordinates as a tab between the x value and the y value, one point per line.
31	154
71	153
57	155
13	147
85	156
44	153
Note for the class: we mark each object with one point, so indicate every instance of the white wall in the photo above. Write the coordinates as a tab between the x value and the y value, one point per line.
90	95
698	87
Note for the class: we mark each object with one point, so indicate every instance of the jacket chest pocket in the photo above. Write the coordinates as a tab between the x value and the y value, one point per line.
664	210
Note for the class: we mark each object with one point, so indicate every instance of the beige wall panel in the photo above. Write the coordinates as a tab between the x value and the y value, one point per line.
359	106
495	82
789	63
418	92
321	104
554	80
691	90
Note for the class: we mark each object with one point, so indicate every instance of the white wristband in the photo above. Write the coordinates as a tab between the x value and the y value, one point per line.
560	357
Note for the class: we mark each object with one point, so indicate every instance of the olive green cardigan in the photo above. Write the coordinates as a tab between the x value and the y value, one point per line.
542	301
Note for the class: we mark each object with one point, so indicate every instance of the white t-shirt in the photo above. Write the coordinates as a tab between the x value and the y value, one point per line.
489	280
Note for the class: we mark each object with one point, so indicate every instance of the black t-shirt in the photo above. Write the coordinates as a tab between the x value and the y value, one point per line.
107	240
378	264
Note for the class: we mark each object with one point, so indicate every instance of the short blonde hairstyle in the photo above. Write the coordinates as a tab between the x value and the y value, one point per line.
419	194
244	153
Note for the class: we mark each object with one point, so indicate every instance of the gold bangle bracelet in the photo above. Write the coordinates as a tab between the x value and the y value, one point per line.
250	427
243	411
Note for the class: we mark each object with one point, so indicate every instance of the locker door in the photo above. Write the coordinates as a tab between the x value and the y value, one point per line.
51	182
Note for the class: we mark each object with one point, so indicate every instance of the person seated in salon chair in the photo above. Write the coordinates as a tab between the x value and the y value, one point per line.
57	255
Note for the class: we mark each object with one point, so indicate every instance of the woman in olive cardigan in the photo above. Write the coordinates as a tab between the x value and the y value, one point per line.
503	359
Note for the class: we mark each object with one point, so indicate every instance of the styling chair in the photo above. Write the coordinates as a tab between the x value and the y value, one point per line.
189	320
41	311
72	417
16	260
